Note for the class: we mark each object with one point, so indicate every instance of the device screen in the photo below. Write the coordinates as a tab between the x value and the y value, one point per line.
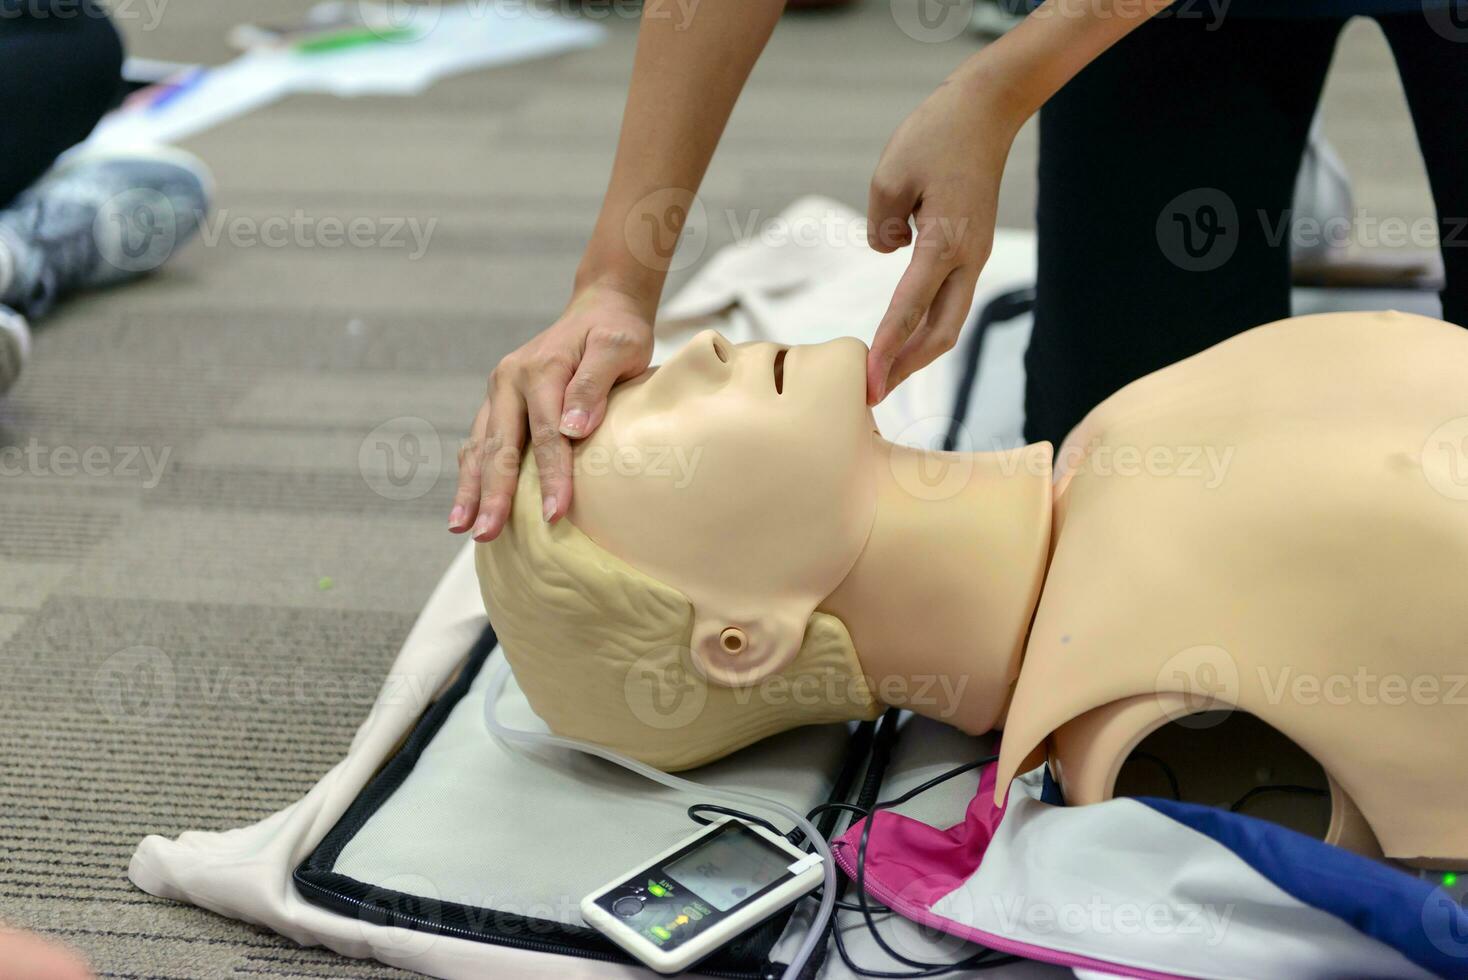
730	867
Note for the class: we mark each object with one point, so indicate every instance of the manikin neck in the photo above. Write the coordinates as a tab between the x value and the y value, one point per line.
940	600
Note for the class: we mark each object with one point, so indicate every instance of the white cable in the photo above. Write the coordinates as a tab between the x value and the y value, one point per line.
501	676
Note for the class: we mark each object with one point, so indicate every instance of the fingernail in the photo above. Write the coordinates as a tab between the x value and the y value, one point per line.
481	526
548	508
456	516
573	423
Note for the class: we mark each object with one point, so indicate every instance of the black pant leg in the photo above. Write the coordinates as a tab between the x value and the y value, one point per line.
60	70
1166	174
1432	58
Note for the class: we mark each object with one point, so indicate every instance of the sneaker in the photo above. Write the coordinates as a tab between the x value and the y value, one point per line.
99	218
15	346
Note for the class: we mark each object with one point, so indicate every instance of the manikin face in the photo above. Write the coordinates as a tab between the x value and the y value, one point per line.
744	477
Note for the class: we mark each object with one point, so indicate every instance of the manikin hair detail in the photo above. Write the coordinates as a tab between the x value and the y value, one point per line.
601	651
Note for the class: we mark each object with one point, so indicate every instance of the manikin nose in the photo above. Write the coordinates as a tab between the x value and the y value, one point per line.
708	355
723	350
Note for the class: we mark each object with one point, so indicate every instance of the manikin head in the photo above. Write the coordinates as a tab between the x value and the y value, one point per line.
725	495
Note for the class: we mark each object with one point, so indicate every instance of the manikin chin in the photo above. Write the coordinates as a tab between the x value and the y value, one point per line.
746	554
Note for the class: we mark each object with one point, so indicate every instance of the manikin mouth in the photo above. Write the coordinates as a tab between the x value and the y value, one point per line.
780	370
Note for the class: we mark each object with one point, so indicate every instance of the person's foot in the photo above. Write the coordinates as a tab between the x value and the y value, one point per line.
98	219
15	346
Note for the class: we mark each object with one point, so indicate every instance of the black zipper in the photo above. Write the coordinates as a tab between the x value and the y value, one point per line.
338	902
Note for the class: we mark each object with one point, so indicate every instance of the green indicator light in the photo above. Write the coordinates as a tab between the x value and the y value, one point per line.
661	933
656	889
1449	880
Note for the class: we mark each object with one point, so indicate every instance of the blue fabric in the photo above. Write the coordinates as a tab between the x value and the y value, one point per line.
1420	920
1050	791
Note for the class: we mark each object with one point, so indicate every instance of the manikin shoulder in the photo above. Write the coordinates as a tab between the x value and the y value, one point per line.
1293	501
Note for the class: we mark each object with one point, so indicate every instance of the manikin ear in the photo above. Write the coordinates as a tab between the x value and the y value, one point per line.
737	651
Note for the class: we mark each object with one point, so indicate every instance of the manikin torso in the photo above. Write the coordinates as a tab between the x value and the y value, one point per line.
1286	503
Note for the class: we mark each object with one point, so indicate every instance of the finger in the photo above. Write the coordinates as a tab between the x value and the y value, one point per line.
499	460
910	302
888	207
946	319
552	450
610	356
466	497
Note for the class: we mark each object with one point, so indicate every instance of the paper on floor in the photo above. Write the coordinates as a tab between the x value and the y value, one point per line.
402	60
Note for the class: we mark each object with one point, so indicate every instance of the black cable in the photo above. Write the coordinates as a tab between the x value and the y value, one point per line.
693	814
972	963
856	756
1177	793
859	811
882	742
1276	788
925	969
1004	307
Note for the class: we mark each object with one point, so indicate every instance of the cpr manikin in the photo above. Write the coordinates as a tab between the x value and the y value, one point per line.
745	554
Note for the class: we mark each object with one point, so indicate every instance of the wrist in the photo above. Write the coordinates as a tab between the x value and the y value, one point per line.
621	277
999	89
628	287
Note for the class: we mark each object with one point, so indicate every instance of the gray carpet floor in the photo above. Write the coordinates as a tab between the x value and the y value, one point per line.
191	629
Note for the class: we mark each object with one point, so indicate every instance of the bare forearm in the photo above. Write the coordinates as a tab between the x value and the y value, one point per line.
688	74
1021	70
